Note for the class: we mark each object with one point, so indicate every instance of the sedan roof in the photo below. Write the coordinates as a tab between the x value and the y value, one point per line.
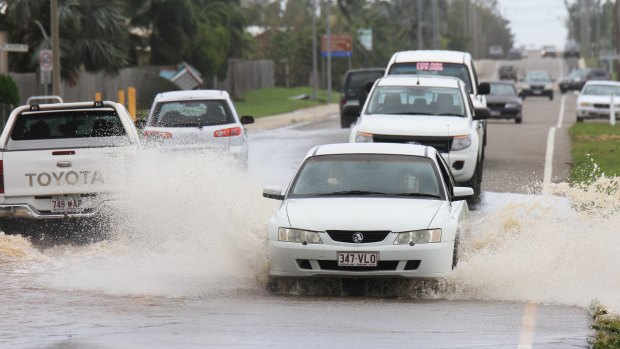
372	148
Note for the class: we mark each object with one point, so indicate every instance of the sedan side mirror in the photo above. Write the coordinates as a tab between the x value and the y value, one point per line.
246	119
462	193
273	192
484	88
481	113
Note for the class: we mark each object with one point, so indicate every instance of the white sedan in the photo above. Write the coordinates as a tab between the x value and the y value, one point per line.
594	100
367	210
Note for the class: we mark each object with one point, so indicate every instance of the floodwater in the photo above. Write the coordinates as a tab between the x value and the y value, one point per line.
187	243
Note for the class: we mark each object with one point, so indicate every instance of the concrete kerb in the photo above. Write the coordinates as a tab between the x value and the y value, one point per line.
302	115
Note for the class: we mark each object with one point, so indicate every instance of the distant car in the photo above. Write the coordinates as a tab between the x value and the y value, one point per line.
572	50
504	102
536	83
594	100
549	51
354	91
368	210
508	72
198	120
496	51
578	77
514	53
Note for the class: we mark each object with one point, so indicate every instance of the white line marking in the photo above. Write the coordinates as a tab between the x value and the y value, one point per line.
495	71
527	326
550	149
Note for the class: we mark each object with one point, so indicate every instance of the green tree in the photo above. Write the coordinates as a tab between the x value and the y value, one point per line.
9	94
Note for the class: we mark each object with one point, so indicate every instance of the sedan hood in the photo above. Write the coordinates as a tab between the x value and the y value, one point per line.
597	99
355	213
415	125
502	99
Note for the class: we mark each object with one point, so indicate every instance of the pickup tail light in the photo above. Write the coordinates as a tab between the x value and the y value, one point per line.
228	132
1	177
157	134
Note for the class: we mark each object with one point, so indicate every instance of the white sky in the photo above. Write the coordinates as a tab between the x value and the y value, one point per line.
536	22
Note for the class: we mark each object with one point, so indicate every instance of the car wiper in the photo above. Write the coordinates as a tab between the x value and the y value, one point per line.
354	192
449	114
419	195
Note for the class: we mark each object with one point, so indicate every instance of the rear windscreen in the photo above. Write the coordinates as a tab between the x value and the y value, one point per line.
357	80
67	124
192	113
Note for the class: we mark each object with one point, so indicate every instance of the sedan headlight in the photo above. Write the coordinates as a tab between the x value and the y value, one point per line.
461	142
585	104
298	235
512	105
363	137
418	237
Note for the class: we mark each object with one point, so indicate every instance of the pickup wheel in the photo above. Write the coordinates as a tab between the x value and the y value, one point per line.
476	184
518	119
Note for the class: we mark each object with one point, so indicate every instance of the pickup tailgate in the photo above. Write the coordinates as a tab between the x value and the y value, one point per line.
63	171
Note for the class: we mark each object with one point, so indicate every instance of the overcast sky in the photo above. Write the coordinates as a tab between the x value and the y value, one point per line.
536	22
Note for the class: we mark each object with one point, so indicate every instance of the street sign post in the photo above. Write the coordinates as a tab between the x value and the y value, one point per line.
14	47
341	45
364	36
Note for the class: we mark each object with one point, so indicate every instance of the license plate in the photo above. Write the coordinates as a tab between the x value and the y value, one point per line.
67	204
537	92
495	113
358	259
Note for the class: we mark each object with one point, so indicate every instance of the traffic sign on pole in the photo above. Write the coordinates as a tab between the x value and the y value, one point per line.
45	60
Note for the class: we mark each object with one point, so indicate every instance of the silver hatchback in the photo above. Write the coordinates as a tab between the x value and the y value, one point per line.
197	120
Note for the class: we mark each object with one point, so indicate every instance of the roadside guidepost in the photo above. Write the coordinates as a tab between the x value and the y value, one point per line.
612	110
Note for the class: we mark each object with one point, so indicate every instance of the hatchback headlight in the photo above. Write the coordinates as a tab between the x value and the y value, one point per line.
363	137
418	237
298	235
461	142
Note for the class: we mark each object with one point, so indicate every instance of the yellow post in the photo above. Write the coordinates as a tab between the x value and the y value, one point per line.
98	96
131	102
121	97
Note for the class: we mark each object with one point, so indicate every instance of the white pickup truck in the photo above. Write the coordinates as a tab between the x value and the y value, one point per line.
60	160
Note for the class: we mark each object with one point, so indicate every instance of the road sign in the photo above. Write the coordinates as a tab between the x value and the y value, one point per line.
364	36
341	45
45	60
14	47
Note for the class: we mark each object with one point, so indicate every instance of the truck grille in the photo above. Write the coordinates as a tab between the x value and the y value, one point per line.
347	236
496	105
442	144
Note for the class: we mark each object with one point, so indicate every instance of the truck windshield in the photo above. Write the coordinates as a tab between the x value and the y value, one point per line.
367	175
457	70
416	100
67	124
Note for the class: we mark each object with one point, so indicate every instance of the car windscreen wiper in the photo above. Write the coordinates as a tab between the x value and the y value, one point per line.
418	195
353	192
449	114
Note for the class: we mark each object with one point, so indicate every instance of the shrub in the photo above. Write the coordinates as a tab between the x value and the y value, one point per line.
9	94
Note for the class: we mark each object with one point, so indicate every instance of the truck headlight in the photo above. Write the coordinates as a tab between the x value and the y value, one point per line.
418	237
363	137
298	235
461	142
585	104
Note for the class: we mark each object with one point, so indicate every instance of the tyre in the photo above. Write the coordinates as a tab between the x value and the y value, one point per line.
518	119
346	121
455	252
476	184
579	119
551	97
562	91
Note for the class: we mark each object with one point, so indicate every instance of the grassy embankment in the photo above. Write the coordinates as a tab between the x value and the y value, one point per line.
596	151
277	100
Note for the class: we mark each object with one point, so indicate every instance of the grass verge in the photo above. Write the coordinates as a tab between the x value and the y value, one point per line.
607	328
595	151
277	100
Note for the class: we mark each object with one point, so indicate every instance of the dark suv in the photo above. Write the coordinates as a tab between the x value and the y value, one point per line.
578	77
354	91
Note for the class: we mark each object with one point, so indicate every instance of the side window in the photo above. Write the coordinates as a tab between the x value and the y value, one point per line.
446	174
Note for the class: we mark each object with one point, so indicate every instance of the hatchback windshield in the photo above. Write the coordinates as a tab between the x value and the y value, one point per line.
416	100
367	174
456	70
192	113
601	90
503	90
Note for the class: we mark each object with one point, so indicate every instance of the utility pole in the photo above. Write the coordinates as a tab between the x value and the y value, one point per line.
419	15
55	48
435	30
314	72
329	54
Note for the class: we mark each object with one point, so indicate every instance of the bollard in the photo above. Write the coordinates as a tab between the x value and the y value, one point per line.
131	102
612	110
121	97
98	96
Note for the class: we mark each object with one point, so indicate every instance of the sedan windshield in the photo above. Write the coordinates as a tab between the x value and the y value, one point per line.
601	90
367	175
503	90
192	113
416	100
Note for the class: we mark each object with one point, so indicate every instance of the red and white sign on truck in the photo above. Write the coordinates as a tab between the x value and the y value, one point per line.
60	160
